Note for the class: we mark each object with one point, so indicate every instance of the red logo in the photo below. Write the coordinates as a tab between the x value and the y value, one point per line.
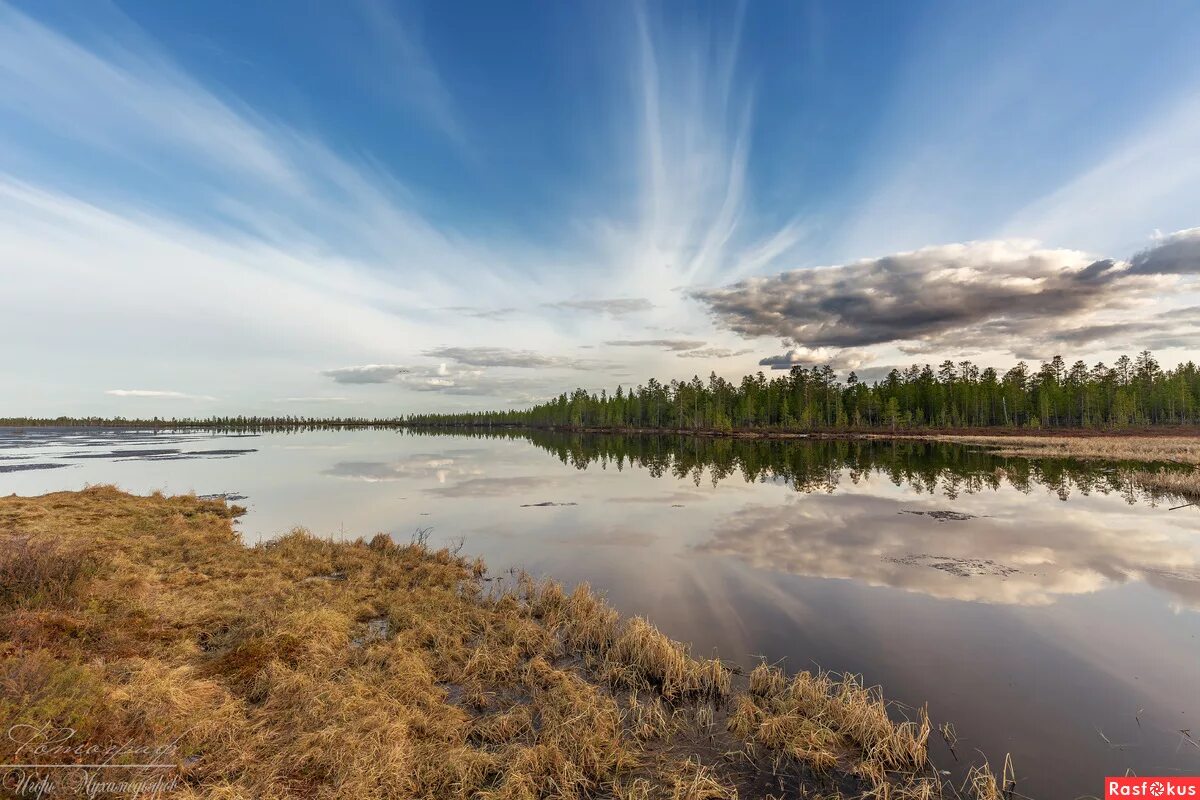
1155	787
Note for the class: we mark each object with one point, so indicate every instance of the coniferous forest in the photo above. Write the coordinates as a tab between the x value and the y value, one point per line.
1131	392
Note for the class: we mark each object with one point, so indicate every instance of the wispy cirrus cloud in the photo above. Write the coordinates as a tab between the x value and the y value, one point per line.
616	306
483	313
504	357
662	344
714	352
401	67
157	394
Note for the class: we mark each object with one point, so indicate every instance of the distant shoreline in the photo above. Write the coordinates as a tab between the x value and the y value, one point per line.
1155	431
922	433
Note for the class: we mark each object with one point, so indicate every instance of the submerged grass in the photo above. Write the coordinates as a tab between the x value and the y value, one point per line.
309	668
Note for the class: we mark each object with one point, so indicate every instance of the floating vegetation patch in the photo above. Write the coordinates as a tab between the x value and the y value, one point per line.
942	516
28	467
962	567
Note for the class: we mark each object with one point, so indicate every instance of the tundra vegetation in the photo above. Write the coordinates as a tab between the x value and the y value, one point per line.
307	667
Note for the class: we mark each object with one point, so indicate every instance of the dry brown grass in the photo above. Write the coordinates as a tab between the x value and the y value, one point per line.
306	668
831	722
1180	483
1176	449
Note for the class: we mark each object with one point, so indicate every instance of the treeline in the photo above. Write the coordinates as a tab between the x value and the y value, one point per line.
1133	391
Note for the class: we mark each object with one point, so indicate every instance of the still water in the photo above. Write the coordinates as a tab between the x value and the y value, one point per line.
1046	608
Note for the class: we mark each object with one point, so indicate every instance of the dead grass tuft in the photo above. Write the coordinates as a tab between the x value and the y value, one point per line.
830	722
1184	484
39	572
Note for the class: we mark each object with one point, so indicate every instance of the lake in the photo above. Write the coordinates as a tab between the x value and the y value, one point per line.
1046	608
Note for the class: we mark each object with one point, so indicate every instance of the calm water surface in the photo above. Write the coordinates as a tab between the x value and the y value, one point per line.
1053	613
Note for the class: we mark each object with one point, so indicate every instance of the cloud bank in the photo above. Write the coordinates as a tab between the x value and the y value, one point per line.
1015	294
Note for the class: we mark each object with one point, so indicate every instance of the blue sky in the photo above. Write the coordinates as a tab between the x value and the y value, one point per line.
375	207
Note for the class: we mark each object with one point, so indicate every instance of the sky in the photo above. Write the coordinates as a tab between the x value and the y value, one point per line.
372	208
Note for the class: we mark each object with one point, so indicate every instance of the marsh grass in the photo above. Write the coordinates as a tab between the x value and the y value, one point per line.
41	572
1173	449
831	722
1177	483
312	668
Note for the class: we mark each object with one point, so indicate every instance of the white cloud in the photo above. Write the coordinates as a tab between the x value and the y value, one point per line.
156	394
818	356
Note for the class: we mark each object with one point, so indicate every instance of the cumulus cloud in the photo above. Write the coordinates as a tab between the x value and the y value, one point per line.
969	295
157	393
913	295
665	344
1176	254
807	357
616	307
366	373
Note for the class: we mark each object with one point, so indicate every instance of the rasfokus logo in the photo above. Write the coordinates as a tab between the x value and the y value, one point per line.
1151	787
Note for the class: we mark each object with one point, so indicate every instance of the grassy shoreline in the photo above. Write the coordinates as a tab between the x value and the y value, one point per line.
305	667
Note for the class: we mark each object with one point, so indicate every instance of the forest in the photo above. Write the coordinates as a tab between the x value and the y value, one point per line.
1131	392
